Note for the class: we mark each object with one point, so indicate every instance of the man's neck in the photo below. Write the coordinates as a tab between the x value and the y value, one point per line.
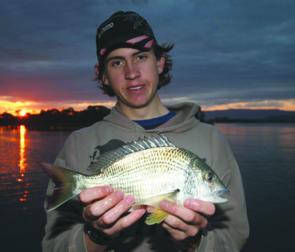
152	110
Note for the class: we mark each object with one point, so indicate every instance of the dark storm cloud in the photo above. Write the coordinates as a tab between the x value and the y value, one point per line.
224	50
237	48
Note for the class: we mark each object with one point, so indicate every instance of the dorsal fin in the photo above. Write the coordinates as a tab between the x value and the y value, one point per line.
141	144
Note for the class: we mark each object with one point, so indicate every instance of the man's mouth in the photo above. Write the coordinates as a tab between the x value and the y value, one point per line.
135	88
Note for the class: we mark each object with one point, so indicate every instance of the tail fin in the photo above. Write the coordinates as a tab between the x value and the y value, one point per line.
65	185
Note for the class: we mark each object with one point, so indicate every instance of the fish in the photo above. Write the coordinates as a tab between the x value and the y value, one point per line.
150	168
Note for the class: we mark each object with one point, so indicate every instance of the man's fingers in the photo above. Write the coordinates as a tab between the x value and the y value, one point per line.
175	233
98	208
176	223
182	219
206	208
183	213
125	221
95	193
114	213
132	217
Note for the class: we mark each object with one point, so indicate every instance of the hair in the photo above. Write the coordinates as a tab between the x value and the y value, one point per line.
164	78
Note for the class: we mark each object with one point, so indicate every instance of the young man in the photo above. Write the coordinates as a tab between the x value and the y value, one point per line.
132	67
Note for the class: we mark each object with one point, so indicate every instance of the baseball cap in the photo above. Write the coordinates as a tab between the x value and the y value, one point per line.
123	29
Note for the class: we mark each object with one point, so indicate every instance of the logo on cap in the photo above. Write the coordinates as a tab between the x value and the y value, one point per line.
104	29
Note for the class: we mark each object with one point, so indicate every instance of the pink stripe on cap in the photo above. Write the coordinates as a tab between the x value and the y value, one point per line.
149	44
136	39
102	51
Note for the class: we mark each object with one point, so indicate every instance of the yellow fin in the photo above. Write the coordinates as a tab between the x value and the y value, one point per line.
155	200
156	217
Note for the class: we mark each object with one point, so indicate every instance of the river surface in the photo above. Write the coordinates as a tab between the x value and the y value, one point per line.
265	153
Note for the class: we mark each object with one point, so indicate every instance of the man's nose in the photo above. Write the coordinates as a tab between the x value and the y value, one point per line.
131	71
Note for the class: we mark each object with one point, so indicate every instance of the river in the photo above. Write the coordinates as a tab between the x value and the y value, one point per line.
265	153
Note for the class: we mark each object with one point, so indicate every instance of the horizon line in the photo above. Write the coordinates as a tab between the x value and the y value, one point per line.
32	107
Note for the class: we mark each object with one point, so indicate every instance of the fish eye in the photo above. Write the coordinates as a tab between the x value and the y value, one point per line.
209	176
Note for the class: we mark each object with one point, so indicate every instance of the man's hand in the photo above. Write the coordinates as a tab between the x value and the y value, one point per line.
107	210
187	221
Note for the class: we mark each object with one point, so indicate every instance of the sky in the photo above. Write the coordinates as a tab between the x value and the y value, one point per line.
227	53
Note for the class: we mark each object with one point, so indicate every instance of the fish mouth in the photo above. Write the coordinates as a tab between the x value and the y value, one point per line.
216	196
221	196
223	193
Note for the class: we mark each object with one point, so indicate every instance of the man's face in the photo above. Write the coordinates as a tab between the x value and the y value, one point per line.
133	75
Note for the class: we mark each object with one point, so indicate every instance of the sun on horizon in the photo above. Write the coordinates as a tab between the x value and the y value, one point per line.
22	113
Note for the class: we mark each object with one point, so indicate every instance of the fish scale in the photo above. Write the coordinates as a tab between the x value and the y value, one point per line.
132	178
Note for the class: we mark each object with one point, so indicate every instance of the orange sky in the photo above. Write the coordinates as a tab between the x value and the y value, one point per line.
287	105
18	107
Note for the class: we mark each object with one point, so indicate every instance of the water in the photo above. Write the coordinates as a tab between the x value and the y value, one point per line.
23	184
265	153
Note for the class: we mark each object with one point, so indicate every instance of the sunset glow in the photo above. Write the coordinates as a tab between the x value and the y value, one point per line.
17	108
22	108
287	105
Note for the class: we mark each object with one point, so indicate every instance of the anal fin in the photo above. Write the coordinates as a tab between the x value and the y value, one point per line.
156	217
156	199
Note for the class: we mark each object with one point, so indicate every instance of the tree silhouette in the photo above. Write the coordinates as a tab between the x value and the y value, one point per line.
53	119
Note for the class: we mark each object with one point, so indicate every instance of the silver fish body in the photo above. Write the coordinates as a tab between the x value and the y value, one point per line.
151	169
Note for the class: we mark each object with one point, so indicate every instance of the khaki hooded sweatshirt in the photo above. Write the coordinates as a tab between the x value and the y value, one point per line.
228	229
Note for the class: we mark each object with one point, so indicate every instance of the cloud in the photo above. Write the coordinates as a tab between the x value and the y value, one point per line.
224	51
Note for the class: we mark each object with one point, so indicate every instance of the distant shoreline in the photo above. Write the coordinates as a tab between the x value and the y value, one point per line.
69	128
69	119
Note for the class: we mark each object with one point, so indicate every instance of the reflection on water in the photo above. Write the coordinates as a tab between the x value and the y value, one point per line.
23	185
22	152
22	164
21	178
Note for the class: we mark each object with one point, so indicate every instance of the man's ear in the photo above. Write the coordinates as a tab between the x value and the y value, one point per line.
96	71
105	79
161	64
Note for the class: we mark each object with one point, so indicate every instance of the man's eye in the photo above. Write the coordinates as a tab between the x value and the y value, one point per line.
141	57
116	63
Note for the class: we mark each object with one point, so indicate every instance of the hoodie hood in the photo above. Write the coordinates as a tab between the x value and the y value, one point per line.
185	119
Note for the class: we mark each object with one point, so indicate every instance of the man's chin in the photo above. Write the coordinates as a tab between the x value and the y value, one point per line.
136	104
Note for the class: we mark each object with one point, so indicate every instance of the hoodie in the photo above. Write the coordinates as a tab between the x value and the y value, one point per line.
228	229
